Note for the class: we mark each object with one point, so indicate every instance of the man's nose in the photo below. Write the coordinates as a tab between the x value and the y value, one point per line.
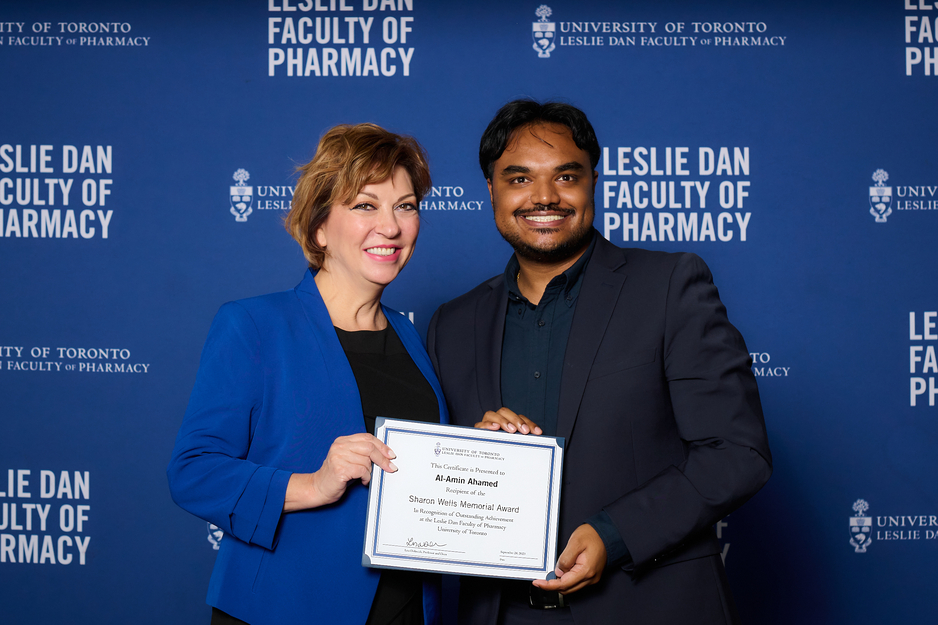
545	192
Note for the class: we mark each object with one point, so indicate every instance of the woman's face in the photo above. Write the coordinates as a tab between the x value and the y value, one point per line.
373	237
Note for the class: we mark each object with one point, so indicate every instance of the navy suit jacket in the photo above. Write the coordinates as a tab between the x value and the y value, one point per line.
274	390
662	420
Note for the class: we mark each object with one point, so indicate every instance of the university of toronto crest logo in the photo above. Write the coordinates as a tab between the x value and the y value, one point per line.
880	197
437	450
544	32
241	196
860	527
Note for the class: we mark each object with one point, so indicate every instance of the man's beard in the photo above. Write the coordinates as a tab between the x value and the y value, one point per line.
577	240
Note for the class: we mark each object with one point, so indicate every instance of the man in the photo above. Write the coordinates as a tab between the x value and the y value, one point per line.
628	355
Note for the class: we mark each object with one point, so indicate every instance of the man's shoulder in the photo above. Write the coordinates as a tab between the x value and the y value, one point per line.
456	322
612	256
469	300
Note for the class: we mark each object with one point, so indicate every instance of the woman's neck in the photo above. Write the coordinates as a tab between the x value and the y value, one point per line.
352	304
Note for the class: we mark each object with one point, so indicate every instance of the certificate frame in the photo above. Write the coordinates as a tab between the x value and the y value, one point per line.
456	529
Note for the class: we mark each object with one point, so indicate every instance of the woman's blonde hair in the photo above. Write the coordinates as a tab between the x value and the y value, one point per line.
347	159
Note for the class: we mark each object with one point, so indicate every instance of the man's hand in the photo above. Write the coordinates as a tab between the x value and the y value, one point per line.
581	563
506	419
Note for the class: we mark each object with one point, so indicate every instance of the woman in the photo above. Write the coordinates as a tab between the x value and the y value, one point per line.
275	446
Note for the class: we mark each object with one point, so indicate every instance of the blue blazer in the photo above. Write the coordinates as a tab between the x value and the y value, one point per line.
662	420
273	391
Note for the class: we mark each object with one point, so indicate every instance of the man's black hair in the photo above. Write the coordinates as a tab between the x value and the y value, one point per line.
520	113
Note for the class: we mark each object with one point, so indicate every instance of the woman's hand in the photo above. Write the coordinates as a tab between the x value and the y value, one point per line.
349	458
508	420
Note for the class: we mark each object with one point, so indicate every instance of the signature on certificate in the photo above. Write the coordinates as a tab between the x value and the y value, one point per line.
427	543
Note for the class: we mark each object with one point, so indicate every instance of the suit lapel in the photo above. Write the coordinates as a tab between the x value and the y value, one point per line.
602	285
418	353
334	363
490	329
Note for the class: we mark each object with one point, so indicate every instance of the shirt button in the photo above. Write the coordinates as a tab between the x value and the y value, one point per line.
537	374
540	323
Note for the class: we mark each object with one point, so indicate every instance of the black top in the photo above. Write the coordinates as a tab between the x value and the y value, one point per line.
389	382
392	386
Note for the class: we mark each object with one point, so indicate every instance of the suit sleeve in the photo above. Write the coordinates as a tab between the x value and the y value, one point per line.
209	474
719	418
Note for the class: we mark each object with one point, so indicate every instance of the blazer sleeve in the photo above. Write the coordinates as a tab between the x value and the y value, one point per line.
719	419
209	474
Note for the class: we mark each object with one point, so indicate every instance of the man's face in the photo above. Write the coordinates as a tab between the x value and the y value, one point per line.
542	192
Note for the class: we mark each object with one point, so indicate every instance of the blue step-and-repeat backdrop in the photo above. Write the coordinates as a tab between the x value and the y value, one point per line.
790	144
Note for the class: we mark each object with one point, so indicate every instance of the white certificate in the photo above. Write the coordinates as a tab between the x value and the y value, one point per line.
465	501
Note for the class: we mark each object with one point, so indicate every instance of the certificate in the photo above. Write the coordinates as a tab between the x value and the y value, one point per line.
465	501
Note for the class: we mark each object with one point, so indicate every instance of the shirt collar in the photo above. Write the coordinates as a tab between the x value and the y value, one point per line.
569	278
